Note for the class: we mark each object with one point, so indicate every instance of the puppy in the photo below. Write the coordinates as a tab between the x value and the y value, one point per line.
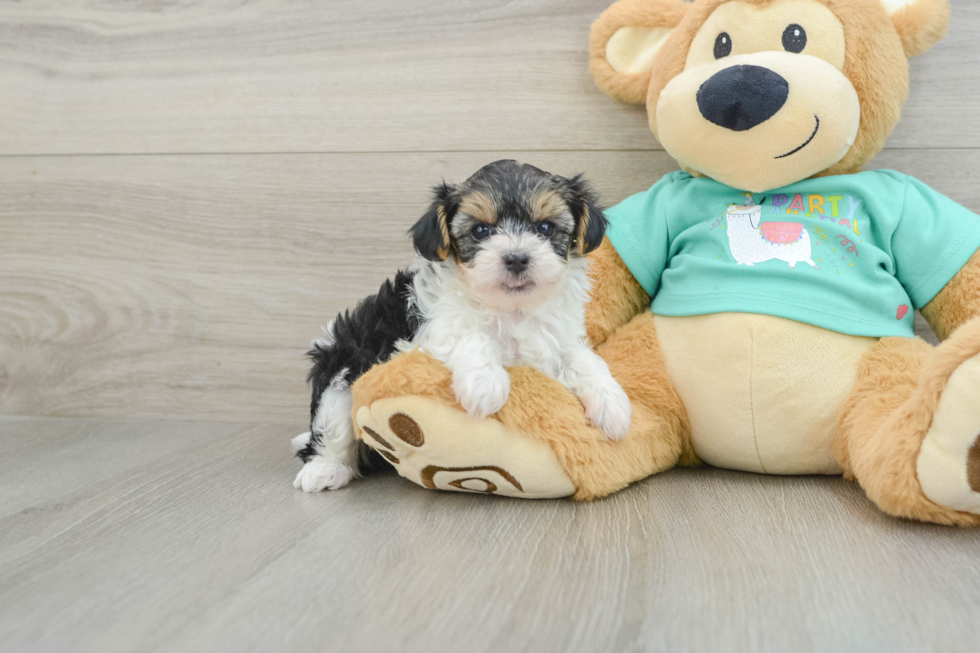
500	280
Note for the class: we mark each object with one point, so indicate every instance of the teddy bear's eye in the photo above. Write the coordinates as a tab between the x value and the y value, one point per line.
794	38
723	45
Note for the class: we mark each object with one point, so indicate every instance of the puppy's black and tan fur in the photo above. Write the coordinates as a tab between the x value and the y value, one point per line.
507	194
496	245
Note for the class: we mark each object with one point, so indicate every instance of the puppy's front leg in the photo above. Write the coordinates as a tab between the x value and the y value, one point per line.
605	401
480	382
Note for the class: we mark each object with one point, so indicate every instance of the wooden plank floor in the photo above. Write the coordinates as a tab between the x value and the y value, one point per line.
127	290
182	536
101	76
189	190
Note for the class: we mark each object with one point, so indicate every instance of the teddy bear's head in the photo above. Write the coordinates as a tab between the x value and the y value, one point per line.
758	94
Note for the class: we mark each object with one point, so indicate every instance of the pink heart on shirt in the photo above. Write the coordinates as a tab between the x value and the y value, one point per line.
902	311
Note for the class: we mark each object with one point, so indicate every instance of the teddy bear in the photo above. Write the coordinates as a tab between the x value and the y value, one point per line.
756	305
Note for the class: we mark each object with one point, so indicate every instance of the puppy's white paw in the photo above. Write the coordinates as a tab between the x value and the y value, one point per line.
323	473
608	408
483	390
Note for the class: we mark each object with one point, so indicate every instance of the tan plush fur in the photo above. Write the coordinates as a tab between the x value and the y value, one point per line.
875	64
753	402
884	421
899	381
598	467
921	25
875	59
958	302
628	13
409	373
616	296
544	410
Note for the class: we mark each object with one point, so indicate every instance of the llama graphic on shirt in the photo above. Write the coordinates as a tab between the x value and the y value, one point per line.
753	241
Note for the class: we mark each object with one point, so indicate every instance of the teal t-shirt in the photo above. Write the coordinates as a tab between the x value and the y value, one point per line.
853	253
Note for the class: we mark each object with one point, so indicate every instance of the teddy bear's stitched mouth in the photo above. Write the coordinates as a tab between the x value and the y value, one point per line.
815	129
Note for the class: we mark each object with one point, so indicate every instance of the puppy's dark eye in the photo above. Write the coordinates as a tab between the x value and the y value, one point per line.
794	38
723	45
546	228
481	231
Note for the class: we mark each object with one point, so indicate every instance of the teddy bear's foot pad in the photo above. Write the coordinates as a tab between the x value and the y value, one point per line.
441	447
949	460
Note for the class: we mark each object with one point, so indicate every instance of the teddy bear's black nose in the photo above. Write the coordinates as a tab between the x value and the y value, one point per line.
741	97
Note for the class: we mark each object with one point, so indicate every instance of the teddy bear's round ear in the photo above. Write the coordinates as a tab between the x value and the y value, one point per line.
919	23
624	41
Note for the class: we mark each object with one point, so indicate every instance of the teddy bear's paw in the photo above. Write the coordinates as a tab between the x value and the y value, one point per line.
948	467
441	447
323	473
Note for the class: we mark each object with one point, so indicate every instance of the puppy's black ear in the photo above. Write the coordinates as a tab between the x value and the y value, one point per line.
590	221
430	234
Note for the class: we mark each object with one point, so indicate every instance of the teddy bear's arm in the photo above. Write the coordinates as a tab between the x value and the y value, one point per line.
958	302
616	296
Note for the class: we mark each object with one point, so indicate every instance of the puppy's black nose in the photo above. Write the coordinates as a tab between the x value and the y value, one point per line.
741	97
516	262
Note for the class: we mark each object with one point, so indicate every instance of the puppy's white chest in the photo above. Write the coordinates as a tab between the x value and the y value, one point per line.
529	341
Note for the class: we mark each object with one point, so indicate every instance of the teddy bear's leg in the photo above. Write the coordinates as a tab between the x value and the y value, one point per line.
539	444
909	431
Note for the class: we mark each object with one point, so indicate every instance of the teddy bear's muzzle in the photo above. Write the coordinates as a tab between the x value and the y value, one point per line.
742	97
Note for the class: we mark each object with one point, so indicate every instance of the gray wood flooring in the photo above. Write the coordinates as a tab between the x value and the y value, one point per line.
181	536
127	289
354	76
188	190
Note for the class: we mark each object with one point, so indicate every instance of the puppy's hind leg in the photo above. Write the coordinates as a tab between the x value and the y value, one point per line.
329	450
